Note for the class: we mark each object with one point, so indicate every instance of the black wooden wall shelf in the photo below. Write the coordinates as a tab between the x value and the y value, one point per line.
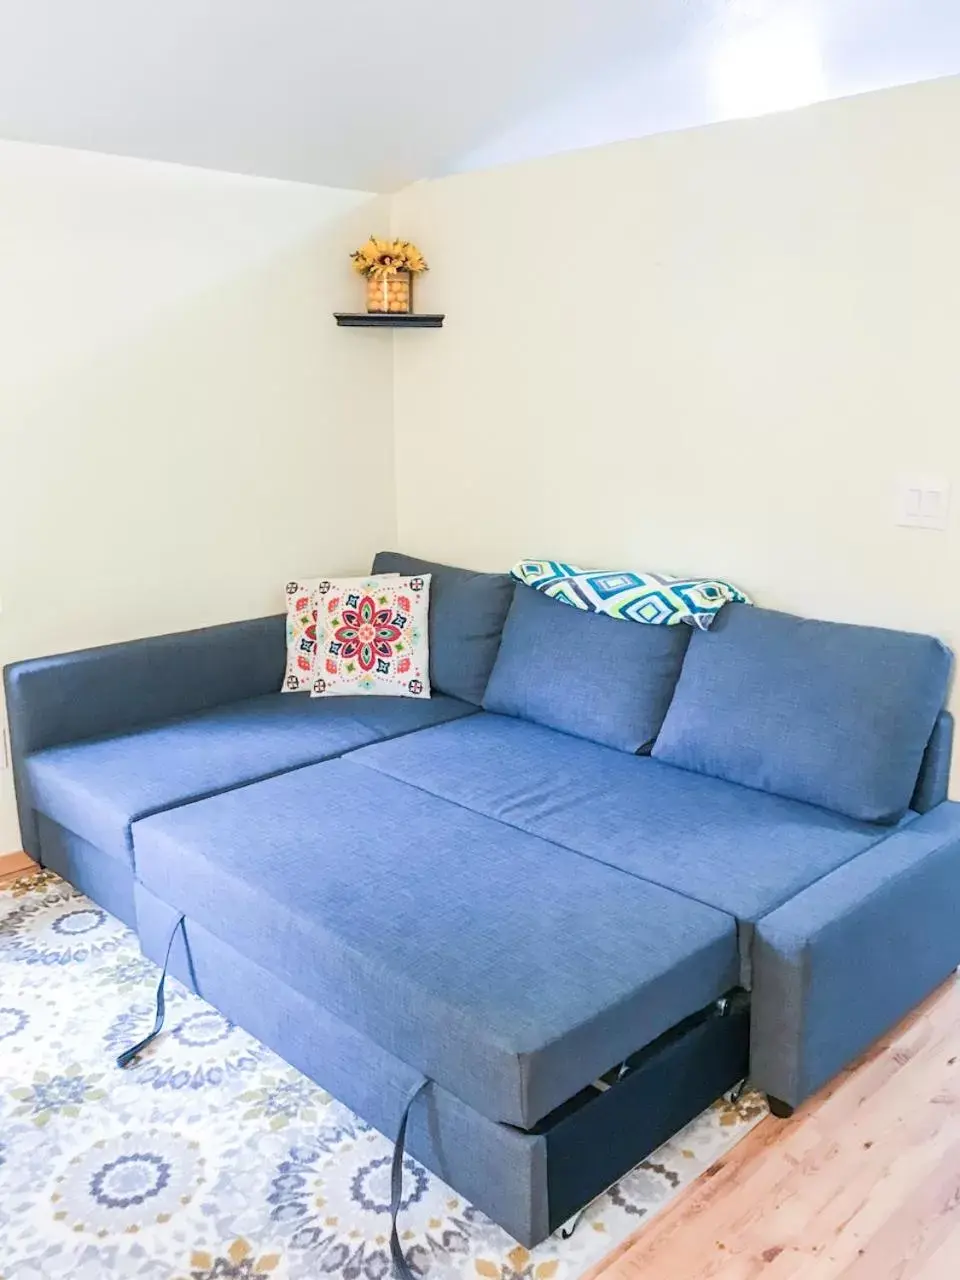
387	320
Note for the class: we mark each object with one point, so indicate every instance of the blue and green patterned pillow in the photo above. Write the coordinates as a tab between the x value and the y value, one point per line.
656	598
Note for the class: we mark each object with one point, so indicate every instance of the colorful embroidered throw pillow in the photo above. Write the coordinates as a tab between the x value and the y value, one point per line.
373	637
301	635
648	597
302	632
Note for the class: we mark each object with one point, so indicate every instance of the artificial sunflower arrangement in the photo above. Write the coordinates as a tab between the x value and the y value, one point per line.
389	267
385	257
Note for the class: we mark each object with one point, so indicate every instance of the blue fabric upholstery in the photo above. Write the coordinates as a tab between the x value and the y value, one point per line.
584	673
510	971
499	1169
107	880
98	788
846	959
118	687
742	851
467	610
934	781
831	714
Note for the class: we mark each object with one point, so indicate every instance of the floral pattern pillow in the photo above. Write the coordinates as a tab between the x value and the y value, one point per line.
373	637
301	634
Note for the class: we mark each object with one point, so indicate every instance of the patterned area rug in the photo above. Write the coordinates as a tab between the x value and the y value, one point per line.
213	1159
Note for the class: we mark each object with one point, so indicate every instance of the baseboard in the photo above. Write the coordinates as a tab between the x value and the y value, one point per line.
12	864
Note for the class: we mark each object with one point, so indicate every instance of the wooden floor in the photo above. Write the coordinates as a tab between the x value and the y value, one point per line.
13	865
863	1183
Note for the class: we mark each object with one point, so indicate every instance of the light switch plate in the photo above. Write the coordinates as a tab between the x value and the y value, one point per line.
922	502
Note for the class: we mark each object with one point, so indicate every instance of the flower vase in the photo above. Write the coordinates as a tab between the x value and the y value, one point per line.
392	291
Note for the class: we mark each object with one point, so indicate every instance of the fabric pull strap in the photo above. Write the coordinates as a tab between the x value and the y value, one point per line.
131	1055
401	1267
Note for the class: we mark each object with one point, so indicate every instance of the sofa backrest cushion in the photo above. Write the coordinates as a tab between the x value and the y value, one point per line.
597	677
832	714
467	611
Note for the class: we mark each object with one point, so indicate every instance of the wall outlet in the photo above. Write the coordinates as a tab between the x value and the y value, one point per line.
922	502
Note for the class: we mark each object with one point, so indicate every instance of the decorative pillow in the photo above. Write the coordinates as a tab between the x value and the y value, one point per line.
467	612
584	673
636	597
373	636
301	635
833	714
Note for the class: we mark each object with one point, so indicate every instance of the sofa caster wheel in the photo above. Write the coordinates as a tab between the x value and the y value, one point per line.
782	1110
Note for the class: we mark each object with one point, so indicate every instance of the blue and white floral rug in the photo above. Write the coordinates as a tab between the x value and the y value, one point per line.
213	1159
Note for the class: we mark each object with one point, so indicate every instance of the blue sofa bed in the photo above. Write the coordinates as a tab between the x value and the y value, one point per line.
604	873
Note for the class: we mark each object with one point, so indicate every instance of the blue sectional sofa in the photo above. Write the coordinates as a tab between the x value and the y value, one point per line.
605	872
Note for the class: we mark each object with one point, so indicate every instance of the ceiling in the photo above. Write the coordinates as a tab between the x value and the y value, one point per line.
373	94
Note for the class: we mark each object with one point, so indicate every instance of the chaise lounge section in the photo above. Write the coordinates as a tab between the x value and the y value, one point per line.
108	735
604	873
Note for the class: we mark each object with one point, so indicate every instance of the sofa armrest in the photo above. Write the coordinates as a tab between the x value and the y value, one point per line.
846	959
118	687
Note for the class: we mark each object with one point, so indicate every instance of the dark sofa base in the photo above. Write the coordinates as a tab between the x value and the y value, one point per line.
600	1135
528	1182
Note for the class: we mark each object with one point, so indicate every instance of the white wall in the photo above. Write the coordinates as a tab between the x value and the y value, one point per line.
182	426
710	352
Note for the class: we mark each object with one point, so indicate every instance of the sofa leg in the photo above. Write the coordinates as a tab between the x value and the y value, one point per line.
782	1110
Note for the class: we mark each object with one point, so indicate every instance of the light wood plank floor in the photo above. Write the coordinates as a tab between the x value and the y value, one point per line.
863	1183
13	865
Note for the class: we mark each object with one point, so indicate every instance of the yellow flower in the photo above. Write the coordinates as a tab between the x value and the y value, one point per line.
413	258
381	257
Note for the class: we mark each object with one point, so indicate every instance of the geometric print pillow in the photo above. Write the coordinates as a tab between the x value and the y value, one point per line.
301	635
372	636
656	598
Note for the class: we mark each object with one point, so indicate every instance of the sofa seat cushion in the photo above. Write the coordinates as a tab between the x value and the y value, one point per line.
511	971
97	788
742	851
